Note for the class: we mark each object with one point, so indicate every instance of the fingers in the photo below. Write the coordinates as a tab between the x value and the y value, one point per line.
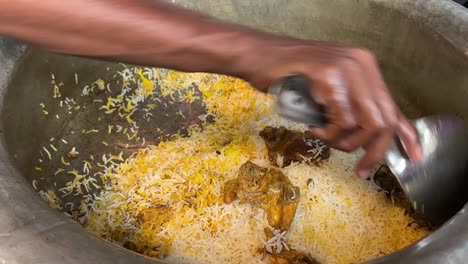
375	153
359	107
409	138
355	140
329	134
333	93
378	89
380	119
365	109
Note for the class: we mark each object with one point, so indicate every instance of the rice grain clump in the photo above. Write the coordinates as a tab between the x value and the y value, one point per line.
166	201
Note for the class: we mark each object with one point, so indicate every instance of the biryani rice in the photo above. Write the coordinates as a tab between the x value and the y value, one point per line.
340	219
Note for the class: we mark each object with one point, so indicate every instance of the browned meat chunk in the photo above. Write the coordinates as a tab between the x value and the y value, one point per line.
385	179
291	257
230	191
156	214
288	255
293	146
269	189
130	245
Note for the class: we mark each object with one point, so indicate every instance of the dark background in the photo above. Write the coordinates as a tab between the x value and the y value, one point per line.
462	2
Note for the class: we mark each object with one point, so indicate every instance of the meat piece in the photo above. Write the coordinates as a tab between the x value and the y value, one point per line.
131	246
158	213
292	146
253	182
230	191
271	190
291	257
385	179
267	188
287	255
280	204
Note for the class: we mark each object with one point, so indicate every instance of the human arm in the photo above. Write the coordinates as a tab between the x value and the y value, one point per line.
346	80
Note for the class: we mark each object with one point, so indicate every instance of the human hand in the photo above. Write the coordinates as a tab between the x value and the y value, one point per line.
347	82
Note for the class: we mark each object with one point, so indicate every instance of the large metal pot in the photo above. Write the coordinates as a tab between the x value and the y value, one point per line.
422	46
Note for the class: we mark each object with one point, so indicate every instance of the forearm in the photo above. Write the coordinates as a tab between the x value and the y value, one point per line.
145	32
346	80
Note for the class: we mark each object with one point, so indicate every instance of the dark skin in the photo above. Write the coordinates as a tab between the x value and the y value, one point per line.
347	80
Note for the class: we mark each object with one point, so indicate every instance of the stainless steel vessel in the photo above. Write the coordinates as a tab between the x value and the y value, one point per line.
421	45
435	187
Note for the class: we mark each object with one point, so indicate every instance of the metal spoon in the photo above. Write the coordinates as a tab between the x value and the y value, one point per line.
436	187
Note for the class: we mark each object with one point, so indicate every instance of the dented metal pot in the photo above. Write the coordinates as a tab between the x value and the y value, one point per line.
421	45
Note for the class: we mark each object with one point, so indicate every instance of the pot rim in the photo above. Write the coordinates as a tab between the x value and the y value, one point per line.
33	232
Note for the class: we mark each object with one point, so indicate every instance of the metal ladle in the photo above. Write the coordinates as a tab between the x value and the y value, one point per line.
436	187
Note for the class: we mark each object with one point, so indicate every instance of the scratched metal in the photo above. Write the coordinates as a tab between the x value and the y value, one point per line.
422	46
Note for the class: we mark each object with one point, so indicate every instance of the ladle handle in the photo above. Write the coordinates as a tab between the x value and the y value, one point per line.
294	101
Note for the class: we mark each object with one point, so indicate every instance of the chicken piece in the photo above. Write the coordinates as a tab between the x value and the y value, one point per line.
253	182
280	205
271	190
155	213
287	255
291	257
230	191
131	246
292	146
289	211
267	188
385	179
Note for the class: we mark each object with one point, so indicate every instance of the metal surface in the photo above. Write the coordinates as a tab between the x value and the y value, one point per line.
435	187
462	2
421	45
294	101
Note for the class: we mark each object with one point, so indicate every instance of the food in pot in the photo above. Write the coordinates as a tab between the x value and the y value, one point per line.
269	189
167	199
291	256
286	146
385	179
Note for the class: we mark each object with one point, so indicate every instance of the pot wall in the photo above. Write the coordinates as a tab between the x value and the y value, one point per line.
421	45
